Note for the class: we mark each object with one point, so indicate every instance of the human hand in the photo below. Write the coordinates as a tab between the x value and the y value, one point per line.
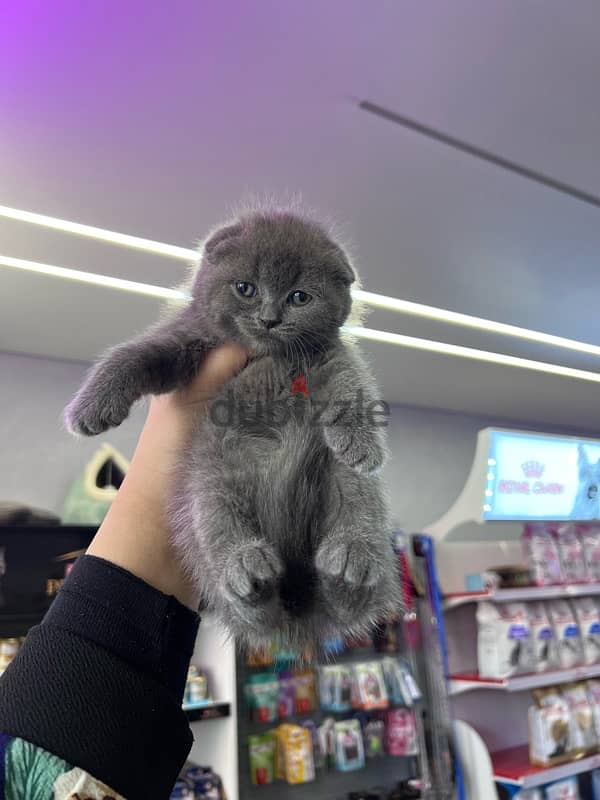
135	533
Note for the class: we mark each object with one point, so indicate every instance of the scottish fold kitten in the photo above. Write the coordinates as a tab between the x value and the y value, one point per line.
587	501
279	514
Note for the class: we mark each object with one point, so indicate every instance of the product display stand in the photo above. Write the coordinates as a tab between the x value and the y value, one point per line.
492	729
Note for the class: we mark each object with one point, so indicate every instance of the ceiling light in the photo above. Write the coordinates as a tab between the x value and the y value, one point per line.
93	278
469	352
371	298
364	333
468	321
124	239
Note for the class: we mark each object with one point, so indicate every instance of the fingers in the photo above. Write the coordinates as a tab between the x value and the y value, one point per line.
220	366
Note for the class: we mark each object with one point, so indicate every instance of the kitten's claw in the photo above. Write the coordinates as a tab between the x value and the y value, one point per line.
352	562
91	417
358	448
252	571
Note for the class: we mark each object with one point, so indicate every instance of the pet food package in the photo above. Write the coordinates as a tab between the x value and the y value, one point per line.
287	695
306	691
593	690
587	615
326	733
503	639
373	737
401	732
318	754
335	687
570	552
529	794
262	758
262	695
369	690
541	554
566	633
566	789
349	752
294	755
543	644
549	728
582	733
395	682
590	541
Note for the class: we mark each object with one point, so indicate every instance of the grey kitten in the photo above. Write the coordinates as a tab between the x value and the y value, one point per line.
279	515
587	501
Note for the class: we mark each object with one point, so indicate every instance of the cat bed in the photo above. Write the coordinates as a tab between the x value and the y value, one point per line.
91	494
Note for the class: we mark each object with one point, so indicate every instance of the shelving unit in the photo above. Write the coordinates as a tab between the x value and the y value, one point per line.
207	711
468	541
512	766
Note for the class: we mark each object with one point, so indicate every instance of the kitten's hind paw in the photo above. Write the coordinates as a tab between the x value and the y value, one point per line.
89	417
353	562
252	572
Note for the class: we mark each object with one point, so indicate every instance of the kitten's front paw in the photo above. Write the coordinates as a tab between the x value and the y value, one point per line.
90	416
252	572
357	448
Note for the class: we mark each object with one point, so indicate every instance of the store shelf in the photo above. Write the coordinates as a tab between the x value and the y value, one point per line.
522	594
512	766
470	682
200	713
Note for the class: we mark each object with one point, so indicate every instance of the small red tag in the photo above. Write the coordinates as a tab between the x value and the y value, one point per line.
299	385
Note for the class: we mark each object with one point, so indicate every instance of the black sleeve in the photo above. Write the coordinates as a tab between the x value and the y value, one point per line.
100	682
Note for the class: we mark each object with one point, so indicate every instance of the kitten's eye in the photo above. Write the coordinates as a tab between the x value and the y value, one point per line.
245	288
299	298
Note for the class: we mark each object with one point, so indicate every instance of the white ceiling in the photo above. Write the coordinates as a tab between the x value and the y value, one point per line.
158	119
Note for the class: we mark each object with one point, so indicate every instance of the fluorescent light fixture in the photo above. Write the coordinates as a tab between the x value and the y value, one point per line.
371	298
470	352
468	321
91	277
401	340
124	239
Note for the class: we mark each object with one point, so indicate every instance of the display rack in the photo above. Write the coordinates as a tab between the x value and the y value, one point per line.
468	541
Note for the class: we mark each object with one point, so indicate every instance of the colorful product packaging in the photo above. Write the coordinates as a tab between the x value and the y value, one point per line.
571	554
549	728
318	754
566	789
262	758
373	737
590	540
287	694
395	683
566	633
587	615
503	639
326	732
306	691
262	695
295	762
543	644
335	687
349	751
369	690
401	732
541	554
582	733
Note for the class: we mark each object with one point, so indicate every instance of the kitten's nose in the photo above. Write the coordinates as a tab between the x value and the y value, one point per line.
270	322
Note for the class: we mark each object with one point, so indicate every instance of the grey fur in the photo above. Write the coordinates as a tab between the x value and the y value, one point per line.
278	514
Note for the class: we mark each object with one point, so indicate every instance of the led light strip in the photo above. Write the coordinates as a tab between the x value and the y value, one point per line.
468	321
412	342
91	277
470	352
371	298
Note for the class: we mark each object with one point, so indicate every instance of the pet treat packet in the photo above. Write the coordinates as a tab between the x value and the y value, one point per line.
503	639
582	732
369	690
335	687
262	758
590	541
349	751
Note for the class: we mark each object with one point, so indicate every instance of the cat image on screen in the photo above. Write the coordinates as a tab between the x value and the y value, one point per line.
280	518
587	501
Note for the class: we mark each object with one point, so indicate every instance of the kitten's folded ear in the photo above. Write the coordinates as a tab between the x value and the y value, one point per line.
345	270
221	241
